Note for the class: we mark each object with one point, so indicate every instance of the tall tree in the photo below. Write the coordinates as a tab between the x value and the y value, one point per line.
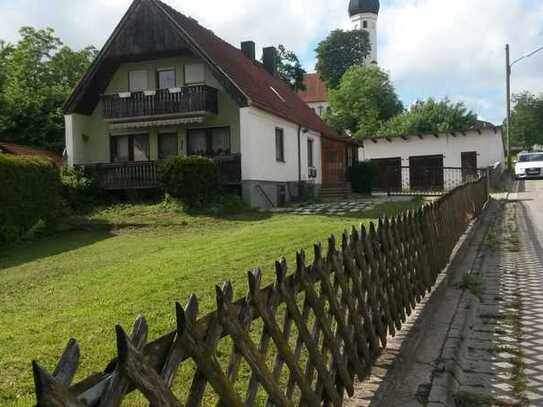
527	120
39	74
364	100
290	69
338	52
430	116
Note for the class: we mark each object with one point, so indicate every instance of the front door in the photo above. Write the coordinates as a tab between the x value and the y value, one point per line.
334	162
426	173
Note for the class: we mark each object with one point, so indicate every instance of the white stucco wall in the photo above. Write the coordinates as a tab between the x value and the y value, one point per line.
259	162
488	145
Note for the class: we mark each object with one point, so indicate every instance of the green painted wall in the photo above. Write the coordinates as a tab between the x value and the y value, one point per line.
91	134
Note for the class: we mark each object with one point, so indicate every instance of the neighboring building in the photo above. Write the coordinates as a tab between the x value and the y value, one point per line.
479	147
315	94
163	85
17	149
364	15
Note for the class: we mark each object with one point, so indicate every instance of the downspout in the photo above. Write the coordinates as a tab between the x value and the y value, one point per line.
300	192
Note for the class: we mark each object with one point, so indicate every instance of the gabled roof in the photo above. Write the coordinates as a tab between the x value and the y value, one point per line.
247	81
315	89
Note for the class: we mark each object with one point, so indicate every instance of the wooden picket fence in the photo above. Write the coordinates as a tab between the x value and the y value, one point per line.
300	341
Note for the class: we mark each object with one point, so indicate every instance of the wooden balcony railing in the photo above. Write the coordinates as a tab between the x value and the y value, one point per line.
185	101
145	174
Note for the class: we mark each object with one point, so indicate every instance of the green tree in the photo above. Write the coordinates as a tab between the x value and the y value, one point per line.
338	52
430	116
364	100
290	69
39	75
527	120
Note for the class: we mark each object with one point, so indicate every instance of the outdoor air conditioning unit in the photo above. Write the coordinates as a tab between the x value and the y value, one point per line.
312	172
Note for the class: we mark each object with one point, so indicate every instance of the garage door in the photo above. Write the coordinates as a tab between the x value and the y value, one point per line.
389	175
426	173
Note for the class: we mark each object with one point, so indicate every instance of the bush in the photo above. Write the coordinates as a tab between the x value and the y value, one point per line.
29	193
363	175
192	180
79	191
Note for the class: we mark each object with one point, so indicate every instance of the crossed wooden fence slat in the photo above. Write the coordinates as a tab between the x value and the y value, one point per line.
321	327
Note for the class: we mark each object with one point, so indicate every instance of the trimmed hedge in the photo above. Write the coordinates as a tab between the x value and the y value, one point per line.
363	175
29	192
193	180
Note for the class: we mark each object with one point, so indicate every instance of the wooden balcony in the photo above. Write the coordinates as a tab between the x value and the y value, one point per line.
145	174
187	101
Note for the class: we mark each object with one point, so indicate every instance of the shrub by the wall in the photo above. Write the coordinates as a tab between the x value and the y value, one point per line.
363	175
192	180
79	190
29	193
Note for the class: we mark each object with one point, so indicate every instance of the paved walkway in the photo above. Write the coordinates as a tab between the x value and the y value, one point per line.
346	207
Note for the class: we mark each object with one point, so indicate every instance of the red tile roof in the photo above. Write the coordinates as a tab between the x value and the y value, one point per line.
251	78
17	149
315	89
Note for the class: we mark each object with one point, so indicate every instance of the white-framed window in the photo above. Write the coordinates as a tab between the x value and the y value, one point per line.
166	78
280	145
194	74
138	81
168	145
130	147
310	162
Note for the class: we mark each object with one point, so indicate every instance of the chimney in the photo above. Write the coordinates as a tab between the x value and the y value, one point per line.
249	49
269	59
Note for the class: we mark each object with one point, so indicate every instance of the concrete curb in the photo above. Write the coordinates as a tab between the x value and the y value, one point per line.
468	259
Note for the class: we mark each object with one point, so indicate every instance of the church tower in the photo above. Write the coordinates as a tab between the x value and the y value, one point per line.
364	15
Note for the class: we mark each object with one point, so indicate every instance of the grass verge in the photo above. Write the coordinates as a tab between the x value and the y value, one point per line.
127	260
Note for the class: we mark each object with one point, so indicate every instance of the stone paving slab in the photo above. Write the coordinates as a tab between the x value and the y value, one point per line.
343	208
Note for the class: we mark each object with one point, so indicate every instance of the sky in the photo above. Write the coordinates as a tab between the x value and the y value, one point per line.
430	48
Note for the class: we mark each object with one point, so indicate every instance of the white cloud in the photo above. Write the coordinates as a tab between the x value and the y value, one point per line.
431	47
456	48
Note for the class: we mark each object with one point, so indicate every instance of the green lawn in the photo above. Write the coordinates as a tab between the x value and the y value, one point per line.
129	260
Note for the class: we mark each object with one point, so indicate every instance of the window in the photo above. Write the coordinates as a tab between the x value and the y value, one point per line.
209	142
130	148
310	153
194	74
280	145
166	79
137	81
365	24
168	145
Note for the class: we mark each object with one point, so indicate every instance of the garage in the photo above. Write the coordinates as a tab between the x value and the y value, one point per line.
426	173
389	174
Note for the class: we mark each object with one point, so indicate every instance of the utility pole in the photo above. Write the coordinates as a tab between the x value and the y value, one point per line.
508	128
508	70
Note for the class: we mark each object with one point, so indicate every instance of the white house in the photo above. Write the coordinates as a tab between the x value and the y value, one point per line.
163	85
446	154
